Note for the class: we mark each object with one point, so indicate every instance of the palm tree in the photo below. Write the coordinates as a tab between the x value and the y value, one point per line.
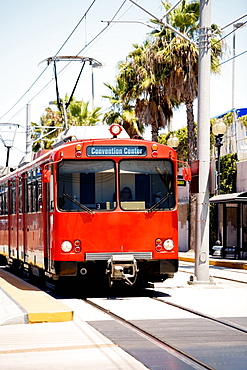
79	115
51	122
122	111
181	83
45	133
140	77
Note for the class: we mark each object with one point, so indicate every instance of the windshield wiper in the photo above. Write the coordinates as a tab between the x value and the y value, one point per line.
155	205
85	208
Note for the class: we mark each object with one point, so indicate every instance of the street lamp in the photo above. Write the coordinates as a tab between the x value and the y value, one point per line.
219	129
173	141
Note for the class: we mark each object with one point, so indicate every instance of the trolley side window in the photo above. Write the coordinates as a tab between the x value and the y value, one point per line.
29	192
12	192
4	199
20	195
38	190
146	184
1	200
33	191
86	185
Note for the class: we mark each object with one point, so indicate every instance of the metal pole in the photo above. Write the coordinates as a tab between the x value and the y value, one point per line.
65	115
28	130
218	169
203	147
7	159
218	242
92	88
233	66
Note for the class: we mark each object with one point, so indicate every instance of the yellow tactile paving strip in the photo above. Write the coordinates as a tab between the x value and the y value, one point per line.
40	307
222	263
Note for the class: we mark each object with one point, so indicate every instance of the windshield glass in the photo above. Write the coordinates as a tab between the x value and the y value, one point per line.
146	184
91	184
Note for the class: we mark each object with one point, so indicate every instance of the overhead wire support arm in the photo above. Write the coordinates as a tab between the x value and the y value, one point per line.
171	8
166	25
8	142
232	22
63	106
145	24
57	91
78	78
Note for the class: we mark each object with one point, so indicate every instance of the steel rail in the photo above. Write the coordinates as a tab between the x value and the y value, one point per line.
183	356
205	316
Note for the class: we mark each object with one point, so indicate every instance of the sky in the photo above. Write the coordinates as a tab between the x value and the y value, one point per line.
32	31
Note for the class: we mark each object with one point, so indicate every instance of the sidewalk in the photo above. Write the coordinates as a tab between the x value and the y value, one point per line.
24	303
74	344
215	260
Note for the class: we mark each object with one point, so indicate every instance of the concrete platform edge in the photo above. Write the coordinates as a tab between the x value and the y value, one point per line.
35	305
16	318
236	264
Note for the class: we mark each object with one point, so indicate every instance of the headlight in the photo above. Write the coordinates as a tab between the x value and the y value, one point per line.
168	244
66	246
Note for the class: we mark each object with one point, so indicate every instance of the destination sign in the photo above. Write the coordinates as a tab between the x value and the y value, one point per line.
117	150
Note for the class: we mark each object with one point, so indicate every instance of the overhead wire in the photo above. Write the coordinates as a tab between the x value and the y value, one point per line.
86	46
65	67
222	38
84	15
236	56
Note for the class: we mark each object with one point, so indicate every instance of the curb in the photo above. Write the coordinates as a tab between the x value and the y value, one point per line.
38	305
216	262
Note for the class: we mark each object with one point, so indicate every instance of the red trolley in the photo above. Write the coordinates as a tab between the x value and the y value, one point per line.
93	208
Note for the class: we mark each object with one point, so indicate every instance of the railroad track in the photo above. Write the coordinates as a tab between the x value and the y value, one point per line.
202	315
169	349
154	331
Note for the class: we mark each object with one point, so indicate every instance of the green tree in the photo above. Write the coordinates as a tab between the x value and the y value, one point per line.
122	111
140	76
52	122
46	132
162	73
181	83
79	115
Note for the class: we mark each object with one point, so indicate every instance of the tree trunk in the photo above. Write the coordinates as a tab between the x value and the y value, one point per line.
192	157
191	131
154	132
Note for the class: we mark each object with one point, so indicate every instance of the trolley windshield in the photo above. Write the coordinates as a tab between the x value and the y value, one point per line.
146	184
86	185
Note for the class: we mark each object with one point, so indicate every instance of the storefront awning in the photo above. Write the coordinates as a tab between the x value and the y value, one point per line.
230	198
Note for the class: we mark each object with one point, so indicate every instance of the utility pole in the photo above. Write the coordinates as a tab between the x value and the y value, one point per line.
28	130
203	147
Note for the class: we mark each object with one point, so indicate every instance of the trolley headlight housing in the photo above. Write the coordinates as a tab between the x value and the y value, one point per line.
78	150
154	150
162	245
168	244
115	129
77	244
158	245
66	246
